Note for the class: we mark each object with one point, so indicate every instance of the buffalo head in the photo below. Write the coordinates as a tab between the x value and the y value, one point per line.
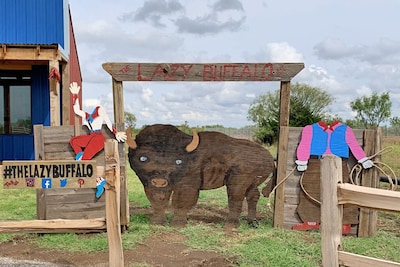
160	154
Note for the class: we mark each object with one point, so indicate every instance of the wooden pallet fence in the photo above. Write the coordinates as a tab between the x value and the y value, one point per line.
113	209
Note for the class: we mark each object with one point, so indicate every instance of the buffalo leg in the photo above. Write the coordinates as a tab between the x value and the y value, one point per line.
159	200
252	196
235	203
182	201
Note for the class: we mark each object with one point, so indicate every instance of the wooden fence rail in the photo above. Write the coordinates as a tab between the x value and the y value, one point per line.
333	195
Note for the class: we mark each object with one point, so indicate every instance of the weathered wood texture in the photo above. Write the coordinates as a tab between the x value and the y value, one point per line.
354	260
369	217
334	195
331	211
55	95
212	72
292	185
374	198
282	155
53	226
113	207
52	143
30	52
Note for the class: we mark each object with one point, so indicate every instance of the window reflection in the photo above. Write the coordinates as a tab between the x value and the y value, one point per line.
15	102
20	109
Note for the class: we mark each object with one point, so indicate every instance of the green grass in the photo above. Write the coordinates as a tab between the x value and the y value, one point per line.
265	246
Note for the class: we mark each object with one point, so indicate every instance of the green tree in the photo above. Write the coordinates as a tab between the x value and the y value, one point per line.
130	120
395	121
373	110
355	123
307	105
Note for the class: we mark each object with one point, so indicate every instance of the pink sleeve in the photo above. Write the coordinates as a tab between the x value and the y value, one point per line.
303	149
355	148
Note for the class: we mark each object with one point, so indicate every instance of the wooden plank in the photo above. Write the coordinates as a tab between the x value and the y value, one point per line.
282	153
118	100
38	142
49	174
30	52
331	212
35	226
66	99
368	217
55	116
84	195
113	208
368	197
75	211
209	72
354	260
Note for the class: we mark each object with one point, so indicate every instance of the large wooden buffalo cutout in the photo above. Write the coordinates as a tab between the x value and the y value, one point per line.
171	162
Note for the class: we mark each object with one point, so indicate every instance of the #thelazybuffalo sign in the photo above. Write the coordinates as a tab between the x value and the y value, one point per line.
49	174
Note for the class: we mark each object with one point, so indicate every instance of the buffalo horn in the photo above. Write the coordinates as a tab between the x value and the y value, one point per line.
195	142
131	142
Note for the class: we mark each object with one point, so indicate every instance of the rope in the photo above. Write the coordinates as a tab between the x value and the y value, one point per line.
305	191
357	169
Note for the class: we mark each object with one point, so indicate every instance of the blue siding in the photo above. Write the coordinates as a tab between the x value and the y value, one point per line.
40	95
34	22
17	147
21	146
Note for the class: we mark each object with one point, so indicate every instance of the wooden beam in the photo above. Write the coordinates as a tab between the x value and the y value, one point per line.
211	72
331	212
354	260
100	170
51	226
66	99
368	217
279	200
55	117
116	255
118	100
369	197
30	52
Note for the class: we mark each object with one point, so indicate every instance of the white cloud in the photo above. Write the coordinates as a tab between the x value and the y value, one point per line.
348	55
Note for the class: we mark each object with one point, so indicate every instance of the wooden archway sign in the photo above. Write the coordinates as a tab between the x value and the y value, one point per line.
216	72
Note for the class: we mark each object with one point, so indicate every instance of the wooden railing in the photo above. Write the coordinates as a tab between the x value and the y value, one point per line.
333	195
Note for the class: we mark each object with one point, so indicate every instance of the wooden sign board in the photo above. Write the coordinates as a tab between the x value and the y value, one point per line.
212	72
49	174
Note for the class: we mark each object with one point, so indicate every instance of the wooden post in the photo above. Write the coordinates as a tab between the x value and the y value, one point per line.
54	96
66	98
116	255
331	212
118	100
368	217
283	141
119	119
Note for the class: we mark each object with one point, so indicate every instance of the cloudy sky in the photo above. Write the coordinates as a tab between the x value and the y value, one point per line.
350	48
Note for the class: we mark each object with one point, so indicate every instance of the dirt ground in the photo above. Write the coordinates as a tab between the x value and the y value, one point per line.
165	250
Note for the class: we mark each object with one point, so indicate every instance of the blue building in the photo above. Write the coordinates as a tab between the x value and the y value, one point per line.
38	60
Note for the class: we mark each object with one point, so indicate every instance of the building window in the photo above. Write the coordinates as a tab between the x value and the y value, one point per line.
15	102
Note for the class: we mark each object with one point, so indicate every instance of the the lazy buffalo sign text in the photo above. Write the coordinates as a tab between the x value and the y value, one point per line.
213	72
49	174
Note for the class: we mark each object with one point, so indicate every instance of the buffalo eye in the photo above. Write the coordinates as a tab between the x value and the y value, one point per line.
178	162
143	158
